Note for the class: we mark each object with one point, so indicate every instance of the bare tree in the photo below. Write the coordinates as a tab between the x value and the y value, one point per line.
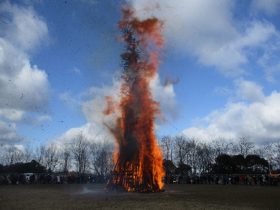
39	153
244	146
101	154
28	153
222	146
80	151
186	152
66	158
167	147
47	155
12	155
205	157
264	151
276	154
181	149
51	157
2	154
192	155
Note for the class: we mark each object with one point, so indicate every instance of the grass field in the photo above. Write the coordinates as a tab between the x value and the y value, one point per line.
68	197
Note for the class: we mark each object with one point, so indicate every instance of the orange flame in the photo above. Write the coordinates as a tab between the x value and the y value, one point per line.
138	158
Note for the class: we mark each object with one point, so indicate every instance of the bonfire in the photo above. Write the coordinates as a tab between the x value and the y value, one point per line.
138	158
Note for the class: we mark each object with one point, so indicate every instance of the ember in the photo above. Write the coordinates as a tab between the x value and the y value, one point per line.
138	158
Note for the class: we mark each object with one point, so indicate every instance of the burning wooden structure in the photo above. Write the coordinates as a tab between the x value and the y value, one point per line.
138	158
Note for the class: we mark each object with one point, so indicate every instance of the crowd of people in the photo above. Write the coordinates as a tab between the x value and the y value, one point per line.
223	179
71	178
50	178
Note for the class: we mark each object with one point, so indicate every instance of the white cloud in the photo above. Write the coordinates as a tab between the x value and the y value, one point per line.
23	87
208	31
90	131
230	57
165	95
269	61
270	7
249	91
257	118
24	28
8	133
93	108
11	114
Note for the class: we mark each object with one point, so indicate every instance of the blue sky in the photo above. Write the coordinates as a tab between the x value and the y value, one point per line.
223	54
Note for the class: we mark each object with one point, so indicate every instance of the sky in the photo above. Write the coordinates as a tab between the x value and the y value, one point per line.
218	74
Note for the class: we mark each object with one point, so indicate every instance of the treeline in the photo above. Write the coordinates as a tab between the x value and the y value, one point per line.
220	156
181	155
79	155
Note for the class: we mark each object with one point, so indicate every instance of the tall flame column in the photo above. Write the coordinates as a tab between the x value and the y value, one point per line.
138	158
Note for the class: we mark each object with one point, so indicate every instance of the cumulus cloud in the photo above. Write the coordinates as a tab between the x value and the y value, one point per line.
249	91
90	131
256	118
23	27
208	31
8	133
11	114
165	95
269	61
93	108
269	7
23	86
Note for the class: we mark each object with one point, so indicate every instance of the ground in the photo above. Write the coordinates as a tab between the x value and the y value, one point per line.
23	197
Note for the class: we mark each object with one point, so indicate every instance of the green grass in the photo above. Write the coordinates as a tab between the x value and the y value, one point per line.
68	197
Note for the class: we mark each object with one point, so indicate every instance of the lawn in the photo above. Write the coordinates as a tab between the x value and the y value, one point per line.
23	197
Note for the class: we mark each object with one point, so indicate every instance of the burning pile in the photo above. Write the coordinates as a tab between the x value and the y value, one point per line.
138	158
